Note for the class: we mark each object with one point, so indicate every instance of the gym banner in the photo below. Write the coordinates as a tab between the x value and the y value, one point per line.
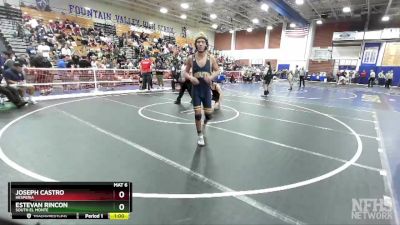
108	16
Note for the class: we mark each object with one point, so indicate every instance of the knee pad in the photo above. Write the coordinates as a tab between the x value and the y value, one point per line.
197	117
208	116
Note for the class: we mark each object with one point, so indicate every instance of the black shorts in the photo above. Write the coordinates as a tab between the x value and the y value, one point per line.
215	98
267	80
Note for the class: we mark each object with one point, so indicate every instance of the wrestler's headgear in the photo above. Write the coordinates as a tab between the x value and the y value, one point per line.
201	36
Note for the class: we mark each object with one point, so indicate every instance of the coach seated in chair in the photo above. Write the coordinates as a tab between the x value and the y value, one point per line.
12	94
15	78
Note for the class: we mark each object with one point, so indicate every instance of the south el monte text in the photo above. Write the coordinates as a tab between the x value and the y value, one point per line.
39	206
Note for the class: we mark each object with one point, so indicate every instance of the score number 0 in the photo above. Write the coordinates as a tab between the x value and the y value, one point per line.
121	195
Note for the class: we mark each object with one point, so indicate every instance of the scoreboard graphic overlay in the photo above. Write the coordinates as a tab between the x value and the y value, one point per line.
70	200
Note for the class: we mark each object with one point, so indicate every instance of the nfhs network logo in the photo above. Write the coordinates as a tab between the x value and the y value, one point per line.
372	209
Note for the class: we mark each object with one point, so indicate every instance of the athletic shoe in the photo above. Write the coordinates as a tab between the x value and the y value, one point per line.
33	102
177	102
200	141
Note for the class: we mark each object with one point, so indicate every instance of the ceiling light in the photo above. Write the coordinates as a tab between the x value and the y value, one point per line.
183	16
215	26
249	29
299	2
50	21
163	10
319	22
292	25
231	31
346	9
385	18
209	1
270	27
185	5
255	21
264	7
213	16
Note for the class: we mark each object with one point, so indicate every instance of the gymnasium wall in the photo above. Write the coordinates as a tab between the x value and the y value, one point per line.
324	32
250	40
323	39
388	59
251	46
223	41
323	66
346	52
275	37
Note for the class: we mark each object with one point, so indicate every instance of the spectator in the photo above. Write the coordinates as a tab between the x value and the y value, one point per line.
9	60
15	78
12	95
44	50
371	79
145	70
363	75
389	78
381	78
160	73
84	62
61	62
66	51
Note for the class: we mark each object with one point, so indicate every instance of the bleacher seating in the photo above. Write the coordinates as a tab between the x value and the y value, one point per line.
122	29
52	16
108	29
11	13
9	18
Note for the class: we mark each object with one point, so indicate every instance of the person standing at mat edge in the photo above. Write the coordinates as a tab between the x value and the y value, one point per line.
389	78
145	70
371	79
302	75
204	69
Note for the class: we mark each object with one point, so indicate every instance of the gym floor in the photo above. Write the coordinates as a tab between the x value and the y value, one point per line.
299	157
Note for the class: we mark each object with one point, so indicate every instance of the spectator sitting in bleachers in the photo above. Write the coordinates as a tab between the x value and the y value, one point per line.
66	50
61	62
56	38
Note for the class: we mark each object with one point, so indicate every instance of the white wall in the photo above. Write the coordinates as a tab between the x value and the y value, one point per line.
62	5
346	52
293	48
293	51
252	54
381	54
